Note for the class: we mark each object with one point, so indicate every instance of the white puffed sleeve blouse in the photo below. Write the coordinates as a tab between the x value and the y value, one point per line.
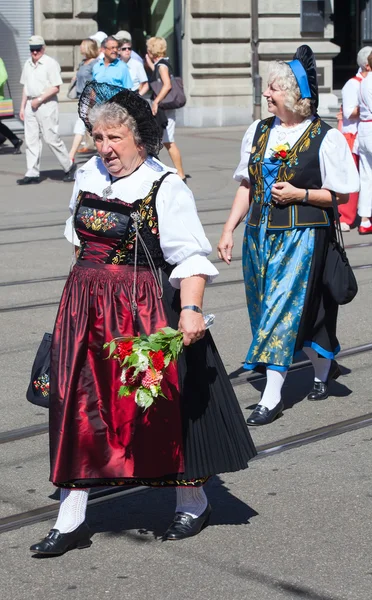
337	167
182	238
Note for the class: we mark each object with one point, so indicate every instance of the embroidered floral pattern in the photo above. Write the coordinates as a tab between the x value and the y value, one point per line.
42	384
98	220
147	215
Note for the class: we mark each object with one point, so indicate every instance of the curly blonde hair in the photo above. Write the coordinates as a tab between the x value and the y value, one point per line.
282	75
157	46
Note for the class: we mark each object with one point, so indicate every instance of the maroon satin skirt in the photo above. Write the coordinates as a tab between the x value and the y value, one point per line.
97	438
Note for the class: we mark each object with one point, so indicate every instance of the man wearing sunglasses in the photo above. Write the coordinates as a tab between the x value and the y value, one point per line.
41	80
136	69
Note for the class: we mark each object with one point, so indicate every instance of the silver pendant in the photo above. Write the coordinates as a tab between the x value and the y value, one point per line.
106	192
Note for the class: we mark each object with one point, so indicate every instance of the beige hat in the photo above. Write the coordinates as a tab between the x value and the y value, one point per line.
123	35
36	40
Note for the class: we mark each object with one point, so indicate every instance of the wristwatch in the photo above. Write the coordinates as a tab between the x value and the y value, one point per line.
192	307
305	200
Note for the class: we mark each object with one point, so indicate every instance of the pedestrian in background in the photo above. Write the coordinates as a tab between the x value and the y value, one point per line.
89	50
99	37
122	35
136	68
161	70
5	132
110	69
41	80
348	125
290	165
365	152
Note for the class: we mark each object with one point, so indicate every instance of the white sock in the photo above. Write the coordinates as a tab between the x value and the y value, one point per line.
366	223
321	365
72	510
191	500
273	389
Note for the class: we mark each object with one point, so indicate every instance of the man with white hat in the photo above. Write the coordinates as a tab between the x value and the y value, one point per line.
41	79
124	36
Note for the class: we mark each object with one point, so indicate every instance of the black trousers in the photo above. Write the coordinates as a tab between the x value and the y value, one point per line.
7	134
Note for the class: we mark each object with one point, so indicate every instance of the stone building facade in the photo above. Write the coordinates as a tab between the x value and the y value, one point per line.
213	38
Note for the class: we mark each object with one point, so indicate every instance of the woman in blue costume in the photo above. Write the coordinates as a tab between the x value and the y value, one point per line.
289	165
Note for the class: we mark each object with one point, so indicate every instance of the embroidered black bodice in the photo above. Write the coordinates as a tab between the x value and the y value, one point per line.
301	168
107	232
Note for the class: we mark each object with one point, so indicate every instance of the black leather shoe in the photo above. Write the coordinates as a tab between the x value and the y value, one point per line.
28	180
17	147
58	543
70	175
184	525
263	416
320	388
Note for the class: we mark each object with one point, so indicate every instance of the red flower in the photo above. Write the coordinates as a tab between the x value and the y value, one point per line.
283	153
151	377
157	359
130	380
125	349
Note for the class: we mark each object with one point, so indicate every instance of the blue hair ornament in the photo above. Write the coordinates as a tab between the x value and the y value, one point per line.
301	77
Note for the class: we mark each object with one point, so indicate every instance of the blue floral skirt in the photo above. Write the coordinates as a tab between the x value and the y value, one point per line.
288	306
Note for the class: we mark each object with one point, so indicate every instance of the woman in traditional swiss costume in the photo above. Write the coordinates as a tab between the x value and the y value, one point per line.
120	287
289	165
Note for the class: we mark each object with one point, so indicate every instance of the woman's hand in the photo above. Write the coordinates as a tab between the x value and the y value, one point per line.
284	192
225	246
149	62
192	326
154	108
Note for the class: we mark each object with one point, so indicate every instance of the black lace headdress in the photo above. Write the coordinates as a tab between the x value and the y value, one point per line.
303	66
96	93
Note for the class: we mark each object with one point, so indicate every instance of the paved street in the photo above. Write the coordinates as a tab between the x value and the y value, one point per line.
295	525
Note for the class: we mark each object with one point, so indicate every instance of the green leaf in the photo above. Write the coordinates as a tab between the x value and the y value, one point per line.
124	391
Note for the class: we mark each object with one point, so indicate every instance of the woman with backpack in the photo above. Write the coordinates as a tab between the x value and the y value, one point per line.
161	69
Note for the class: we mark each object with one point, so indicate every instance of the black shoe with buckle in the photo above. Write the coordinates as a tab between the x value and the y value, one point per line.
184	525
263	416
56	543
320	388
70	175
28	180
17	147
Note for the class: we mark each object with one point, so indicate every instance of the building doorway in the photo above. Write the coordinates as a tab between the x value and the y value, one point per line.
144	19
352	30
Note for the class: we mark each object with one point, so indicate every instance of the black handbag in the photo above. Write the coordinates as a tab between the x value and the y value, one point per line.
338	276
176	96
38	389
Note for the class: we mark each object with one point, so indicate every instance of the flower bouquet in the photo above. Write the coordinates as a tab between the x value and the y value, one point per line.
144	359
280	151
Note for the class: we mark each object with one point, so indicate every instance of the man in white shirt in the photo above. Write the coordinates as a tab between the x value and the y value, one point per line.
349	127
365	152
136	69
41	79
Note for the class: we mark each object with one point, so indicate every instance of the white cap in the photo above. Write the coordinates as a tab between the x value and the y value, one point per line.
98	37
36	40
123	35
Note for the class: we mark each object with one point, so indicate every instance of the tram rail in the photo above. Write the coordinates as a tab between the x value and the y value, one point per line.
22	433
43	513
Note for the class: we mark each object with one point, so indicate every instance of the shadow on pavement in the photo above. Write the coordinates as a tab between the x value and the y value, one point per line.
151	513
299	383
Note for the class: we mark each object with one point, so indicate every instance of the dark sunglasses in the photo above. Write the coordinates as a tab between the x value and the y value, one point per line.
126	48
35	49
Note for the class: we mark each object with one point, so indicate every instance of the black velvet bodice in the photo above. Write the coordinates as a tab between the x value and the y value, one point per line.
301	168
107	232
